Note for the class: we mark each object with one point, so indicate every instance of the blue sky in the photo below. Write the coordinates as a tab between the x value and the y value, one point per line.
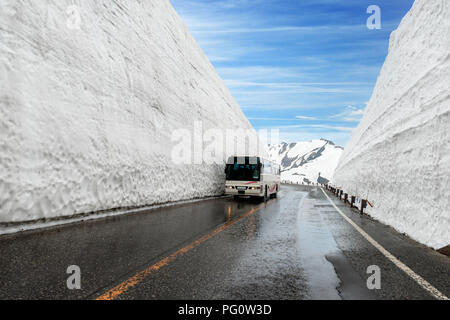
307	67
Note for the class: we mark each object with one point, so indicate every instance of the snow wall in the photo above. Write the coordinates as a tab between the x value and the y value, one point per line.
89	104
399	156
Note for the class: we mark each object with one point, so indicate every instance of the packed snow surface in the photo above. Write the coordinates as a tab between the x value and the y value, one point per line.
399	156
307	161
88	107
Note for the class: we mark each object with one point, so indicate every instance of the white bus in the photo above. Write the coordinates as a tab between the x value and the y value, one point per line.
252	177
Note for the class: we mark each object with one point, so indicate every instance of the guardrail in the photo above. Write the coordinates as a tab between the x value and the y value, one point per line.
353	201
302	184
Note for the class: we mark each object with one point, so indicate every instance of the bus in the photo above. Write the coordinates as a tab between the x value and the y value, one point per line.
252	177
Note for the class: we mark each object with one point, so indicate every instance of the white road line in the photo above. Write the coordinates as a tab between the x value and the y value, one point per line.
420	281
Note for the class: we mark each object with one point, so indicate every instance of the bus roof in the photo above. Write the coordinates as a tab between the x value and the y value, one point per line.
249	160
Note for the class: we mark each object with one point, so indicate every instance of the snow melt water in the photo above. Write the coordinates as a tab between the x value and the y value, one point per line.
88	105
399	156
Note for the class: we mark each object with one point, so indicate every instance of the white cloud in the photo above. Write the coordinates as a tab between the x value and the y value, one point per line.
307	118
316	126
270	119
350	114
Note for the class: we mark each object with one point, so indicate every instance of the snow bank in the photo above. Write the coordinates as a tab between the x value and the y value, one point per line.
399	156
87	115
302	162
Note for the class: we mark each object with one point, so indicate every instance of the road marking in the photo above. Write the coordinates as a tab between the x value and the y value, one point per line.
139	277
421	281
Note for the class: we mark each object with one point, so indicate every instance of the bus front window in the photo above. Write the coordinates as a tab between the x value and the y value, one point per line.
243	172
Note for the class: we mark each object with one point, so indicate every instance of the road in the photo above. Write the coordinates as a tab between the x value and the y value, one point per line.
295	247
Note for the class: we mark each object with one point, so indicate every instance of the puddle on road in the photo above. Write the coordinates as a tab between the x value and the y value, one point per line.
330	276
315	243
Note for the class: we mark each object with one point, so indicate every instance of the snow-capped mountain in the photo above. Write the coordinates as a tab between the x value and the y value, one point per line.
306	162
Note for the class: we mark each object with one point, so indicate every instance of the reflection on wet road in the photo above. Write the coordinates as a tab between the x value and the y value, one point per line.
293	247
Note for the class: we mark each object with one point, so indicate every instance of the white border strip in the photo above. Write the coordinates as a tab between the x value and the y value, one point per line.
420	281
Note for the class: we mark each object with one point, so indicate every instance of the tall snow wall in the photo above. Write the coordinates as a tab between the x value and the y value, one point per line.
89	102
399	156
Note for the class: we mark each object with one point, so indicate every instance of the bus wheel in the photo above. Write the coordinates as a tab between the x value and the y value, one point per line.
275	195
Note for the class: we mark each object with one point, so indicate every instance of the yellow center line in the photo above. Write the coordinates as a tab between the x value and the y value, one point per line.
139	277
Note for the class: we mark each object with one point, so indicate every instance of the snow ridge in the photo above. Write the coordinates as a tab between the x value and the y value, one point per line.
307	161
399	156
87	115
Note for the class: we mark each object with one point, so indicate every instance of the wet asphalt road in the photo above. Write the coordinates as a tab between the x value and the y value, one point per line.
294	247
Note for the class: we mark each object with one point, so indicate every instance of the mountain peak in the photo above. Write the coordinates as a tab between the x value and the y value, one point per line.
306	161
328	141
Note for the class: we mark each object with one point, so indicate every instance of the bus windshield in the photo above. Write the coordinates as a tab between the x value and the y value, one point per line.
243	172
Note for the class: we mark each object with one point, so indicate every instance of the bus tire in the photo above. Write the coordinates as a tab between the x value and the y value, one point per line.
276	192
